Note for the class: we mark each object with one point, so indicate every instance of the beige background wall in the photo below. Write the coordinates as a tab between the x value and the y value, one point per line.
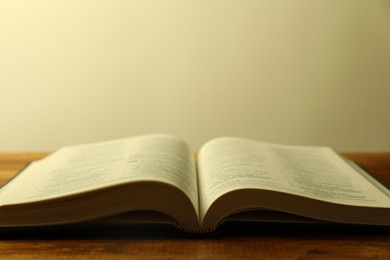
294	72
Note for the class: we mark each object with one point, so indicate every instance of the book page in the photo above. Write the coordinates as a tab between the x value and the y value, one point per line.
228	164
83	168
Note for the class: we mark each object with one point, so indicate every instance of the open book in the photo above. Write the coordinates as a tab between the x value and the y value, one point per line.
231	178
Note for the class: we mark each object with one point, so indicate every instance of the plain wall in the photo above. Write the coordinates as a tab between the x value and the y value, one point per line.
293	72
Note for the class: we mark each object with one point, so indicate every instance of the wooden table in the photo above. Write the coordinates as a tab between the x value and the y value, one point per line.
235	241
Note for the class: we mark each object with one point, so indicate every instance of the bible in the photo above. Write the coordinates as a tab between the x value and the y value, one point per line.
156	178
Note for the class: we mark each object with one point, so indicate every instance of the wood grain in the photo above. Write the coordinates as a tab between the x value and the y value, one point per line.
233	241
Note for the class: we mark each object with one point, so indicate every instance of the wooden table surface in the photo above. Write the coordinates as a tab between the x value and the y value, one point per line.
234	241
